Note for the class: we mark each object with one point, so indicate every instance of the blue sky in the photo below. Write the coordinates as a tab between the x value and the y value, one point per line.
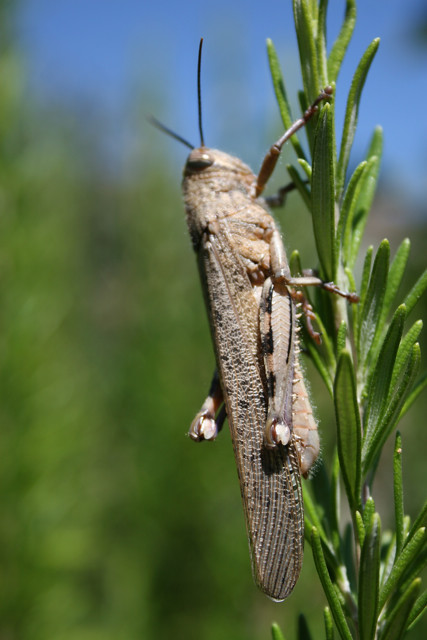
108	52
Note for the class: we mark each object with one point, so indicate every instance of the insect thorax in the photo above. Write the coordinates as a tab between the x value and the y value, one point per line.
219	199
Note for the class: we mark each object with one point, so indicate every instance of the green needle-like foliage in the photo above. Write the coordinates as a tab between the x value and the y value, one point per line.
369	359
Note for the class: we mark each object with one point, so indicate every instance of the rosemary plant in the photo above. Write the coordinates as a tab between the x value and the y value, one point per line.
369	360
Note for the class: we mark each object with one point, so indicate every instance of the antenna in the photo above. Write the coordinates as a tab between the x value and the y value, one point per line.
156	123
199	93
159	125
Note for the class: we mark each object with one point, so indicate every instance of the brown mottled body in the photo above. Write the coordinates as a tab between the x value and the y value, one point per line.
241	259
251	302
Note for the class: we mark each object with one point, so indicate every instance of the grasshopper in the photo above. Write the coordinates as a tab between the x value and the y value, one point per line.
252	307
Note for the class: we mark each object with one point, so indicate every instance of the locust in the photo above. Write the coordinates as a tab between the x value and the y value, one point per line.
252	302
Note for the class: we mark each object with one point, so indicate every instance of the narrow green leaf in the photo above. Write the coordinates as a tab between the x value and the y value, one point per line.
376	144
320	366
415	567
344	230
420	521
348	553
310	508
401	385
366	194
303	630
397	619
322	496
321	491
322	193
281	96
331	561
416	292
395	275
341	337
351	114
306	166
349	428
333	513
329	624
341	43
406	526
398	492
379	381
388	555
403	353
393	409
369	579
364	282
276	633
304	103
403	561
359	210
321	54
370	313
308	525
327	346
360	527
278	84
368	512
417	610
307	48
301	185
331	594
419	387
295	263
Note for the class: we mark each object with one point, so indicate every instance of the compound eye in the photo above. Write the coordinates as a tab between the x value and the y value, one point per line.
198	160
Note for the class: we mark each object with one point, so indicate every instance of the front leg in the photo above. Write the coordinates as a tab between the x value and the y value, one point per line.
278	200
204	425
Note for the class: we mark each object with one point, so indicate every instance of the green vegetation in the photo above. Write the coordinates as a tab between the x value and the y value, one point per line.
369	362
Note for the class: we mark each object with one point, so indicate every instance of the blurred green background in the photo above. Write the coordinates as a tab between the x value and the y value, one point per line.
112	523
